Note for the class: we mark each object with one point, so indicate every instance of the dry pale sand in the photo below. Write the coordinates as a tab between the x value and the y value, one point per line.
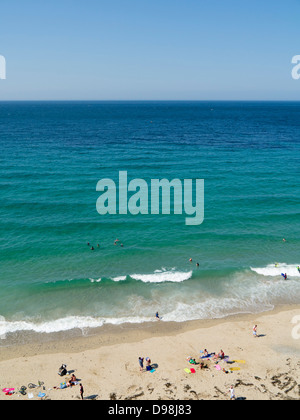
107	363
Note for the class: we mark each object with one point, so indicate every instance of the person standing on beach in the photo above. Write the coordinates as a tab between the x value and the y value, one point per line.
255	331
81	391
232	393
141	363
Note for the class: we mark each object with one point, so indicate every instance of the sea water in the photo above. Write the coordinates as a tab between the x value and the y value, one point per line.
52	155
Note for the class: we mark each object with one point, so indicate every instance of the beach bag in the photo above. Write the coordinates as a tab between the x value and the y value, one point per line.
62	370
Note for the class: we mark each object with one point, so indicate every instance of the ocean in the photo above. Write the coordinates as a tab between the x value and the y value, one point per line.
52	156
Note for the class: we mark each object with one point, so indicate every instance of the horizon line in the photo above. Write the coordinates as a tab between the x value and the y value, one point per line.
149	100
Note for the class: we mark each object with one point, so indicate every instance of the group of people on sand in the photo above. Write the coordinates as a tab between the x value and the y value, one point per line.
215	356
72	381
148	363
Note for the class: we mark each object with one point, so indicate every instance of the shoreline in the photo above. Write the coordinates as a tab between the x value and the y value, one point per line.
107	363
29	342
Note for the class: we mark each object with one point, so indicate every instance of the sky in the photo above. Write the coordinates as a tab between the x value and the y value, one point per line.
149	49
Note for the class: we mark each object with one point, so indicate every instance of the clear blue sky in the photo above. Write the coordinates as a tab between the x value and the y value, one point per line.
149	49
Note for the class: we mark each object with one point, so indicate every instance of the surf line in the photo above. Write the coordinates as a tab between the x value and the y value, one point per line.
187	196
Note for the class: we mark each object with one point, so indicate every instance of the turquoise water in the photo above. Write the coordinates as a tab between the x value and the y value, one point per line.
53	155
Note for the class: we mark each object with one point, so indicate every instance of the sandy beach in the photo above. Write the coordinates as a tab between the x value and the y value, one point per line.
265	368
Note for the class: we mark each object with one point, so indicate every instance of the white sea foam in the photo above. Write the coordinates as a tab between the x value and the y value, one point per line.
159	276
163	276
240	294
64	324
275	270
120	278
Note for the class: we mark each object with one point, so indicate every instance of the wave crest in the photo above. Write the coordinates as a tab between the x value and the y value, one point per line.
275	270
159	276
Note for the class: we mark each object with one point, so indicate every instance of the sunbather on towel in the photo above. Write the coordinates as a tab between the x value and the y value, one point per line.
72	381
220	356
191	361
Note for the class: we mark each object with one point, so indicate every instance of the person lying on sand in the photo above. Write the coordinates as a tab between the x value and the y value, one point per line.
192	361
203	366
220	356
72	381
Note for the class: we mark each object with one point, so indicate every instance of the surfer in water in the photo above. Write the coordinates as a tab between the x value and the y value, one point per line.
284	276
298	268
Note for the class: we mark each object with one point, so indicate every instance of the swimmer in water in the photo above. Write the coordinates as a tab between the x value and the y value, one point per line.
298	268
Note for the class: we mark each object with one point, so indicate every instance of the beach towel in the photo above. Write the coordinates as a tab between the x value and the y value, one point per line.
208	356
8	391
239	361
235	369
152	370
218	367
30	396
41	395
192	370
187	370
